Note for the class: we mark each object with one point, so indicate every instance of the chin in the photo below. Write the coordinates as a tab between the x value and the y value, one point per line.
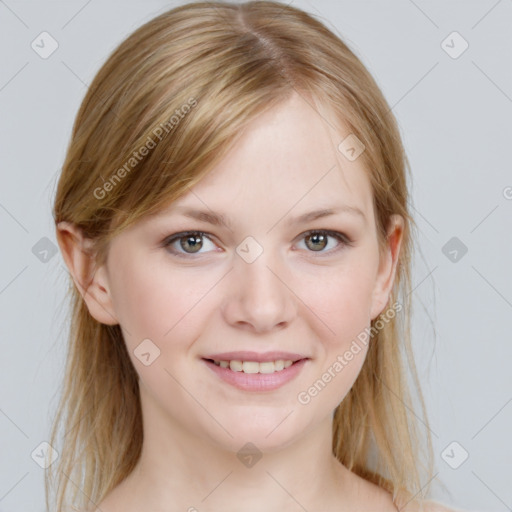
269	432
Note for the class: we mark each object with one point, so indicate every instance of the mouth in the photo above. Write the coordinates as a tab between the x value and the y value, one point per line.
250	375
252	367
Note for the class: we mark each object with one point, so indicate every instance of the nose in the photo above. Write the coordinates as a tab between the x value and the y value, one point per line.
259	297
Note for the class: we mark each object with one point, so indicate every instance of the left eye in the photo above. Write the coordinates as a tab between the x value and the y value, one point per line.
320	239
316	241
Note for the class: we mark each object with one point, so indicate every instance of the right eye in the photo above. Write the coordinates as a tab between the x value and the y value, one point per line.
192	240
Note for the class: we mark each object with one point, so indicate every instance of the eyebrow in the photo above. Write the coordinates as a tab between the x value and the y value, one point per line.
217	219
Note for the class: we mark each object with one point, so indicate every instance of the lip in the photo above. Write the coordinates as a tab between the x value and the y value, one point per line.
257	381
255	356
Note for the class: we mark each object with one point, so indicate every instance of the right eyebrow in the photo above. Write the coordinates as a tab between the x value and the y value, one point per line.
219	219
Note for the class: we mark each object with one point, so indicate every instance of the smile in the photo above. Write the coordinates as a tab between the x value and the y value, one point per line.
255	366
254	375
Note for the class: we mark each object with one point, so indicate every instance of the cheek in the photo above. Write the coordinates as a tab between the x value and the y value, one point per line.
342	299
343	304
148	301
157	303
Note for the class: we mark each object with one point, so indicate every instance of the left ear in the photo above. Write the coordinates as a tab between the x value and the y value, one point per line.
387	266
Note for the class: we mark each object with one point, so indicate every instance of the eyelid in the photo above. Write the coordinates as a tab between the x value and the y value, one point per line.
330	232
169	240
342	238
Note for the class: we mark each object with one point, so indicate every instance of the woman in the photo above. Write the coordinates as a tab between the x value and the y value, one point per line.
233	214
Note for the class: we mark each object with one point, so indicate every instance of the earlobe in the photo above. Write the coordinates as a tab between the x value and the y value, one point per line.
92	283
387	266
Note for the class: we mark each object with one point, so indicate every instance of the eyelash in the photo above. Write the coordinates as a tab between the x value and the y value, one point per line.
341	237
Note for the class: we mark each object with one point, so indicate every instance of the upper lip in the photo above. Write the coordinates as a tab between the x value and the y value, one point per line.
245	355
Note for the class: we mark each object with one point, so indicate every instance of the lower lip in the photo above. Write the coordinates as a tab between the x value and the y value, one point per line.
257	381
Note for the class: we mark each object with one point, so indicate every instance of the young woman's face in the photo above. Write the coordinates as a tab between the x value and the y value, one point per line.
262	289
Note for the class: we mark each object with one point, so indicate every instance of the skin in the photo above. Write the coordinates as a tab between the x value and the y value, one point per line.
290	298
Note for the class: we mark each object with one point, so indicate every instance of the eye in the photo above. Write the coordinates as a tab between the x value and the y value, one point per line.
318	240
188	243
192	240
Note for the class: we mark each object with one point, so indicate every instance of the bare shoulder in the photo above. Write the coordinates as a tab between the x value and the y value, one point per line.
434	506
427	506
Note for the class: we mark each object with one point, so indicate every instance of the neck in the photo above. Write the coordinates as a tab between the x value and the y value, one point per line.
178	470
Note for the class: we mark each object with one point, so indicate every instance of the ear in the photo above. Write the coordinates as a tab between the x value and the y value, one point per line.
387	266
92	282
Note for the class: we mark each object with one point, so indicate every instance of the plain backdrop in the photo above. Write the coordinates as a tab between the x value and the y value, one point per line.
445	69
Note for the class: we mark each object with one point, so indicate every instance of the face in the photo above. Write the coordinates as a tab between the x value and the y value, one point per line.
266	288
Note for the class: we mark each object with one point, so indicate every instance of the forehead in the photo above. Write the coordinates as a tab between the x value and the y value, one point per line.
286	159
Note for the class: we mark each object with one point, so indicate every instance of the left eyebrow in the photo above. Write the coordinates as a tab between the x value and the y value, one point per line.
317	214
218	219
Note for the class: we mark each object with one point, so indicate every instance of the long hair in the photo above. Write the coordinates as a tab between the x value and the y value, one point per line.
183	86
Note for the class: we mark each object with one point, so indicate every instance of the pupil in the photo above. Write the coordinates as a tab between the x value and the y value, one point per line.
194	241
317	237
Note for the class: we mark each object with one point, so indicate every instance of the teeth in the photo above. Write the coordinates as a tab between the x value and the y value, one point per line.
279	365
250	367
267	367
255	366
236	366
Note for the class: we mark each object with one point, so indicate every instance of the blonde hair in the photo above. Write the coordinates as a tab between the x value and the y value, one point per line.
189	81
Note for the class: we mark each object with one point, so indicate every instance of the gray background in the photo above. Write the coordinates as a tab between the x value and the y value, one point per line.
454	114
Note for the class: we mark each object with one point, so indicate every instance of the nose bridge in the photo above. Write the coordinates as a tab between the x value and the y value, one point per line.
254	264
262	297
